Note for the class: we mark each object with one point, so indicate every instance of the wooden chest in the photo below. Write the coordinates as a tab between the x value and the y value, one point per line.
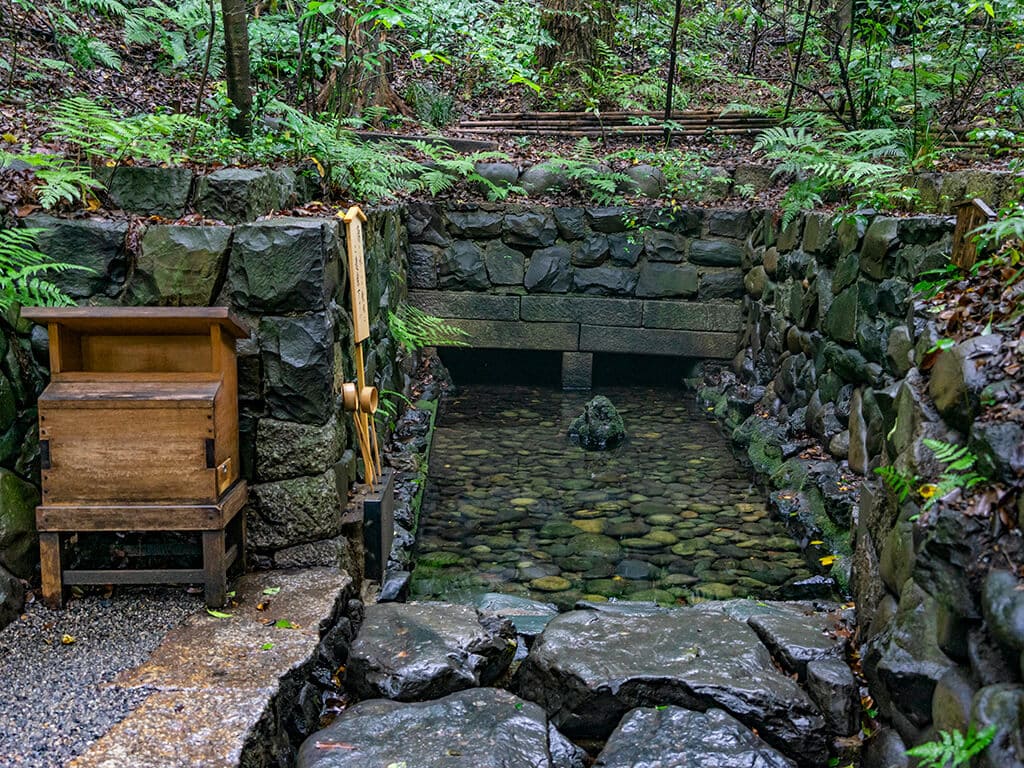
138	428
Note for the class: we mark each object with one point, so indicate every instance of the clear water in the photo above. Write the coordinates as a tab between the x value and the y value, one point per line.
671	516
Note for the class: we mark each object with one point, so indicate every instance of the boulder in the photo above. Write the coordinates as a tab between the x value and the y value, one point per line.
1003	604
957	379
549	271
12	597
1001	705
599	427
19	551
468	729
646	180
836	691
474	224
462	267
150	190
236	195
588	668
530	228
505	266
540	179
716	253
420	651
287	449
298	367
604	281
571	223
664	246
95	244
591	251
796	636
528	616
295	511
181	264
672	737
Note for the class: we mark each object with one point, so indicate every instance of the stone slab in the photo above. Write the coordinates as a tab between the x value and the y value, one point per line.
676	315
577	309
499	334
467	305
652	341
214	679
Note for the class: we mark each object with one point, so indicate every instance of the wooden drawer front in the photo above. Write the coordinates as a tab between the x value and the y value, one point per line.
130	455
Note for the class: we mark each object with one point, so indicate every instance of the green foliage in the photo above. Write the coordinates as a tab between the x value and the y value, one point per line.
59	180
864	166
24	271
901	484
953	749
447	167
102	135
414	329
589	174
958	473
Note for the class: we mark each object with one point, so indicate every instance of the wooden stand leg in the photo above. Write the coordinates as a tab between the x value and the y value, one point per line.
214	564
52	569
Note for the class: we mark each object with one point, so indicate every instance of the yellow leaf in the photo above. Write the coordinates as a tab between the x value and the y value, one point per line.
92	203
68	639
817	543
319	167
10	138
928	490
827	560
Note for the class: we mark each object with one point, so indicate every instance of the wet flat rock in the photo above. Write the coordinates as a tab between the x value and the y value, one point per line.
588	668
678	738
419	651
469	729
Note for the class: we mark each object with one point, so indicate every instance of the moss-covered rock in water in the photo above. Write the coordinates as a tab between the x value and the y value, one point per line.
599	427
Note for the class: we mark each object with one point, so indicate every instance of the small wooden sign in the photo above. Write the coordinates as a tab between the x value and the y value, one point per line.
970	214
354	219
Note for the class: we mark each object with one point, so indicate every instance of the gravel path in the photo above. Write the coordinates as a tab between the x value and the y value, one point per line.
53	697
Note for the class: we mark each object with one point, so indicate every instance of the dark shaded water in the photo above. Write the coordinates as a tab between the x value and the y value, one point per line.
669	516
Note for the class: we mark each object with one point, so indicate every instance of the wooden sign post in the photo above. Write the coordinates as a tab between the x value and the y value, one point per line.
357	396
970	214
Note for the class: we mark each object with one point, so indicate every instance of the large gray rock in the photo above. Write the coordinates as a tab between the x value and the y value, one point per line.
473	224
540	179
904	662
462	267
716	253
95	244
18	543
549	271
646	180
236	195
12	597
1003	603
505	266
604	281
283	265
591	251
150	190
295	511
833	687
625	248
1001	705
589	668
420	651
599	427
672	737
663	280
528	616
957	379
286	449
1000	448
797	636
181	265
881	238
483	727
530	228
664	246
298	367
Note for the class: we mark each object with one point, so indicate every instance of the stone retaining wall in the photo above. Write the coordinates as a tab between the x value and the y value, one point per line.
826	389
583	280
287	279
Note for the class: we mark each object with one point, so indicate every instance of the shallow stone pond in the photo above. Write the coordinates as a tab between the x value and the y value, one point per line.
671	516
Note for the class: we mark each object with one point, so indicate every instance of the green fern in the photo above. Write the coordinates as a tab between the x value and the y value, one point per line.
958	473
23	272
899	483
59	180
953	749
414	329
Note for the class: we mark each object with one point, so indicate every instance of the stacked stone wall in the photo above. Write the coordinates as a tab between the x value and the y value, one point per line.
827	388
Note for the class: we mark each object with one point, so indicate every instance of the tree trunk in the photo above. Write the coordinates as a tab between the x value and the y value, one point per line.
236	66
575	26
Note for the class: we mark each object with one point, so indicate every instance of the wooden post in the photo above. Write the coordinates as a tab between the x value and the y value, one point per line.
970	214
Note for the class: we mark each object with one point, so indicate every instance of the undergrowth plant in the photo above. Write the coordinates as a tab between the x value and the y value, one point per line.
864	166
59	181
24	272
414	329
958	472
953	749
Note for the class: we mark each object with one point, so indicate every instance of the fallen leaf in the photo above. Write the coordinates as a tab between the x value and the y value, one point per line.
68	639
218	614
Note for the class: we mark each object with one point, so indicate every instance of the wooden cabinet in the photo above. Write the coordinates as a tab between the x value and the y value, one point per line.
138	431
